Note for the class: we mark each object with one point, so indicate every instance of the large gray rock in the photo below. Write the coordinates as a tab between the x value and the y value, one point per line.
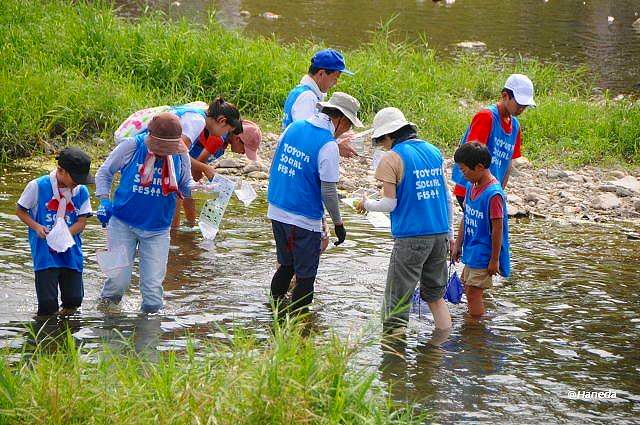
636	205
260	175
557	174
628	182
254	166
617	174
531	197
606	201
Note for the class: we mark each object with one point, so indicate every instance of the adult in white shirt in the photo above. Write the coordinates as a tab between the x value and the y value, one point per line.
326	67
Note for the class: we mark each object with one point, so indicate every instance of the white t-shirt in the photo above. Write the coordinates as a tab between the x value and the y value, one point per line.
305	105
328	169
192	125
29	199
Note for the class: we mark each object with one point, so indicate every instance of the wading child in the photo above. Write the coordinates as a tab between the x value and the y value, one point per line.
483	236
497	127
415	193
61	193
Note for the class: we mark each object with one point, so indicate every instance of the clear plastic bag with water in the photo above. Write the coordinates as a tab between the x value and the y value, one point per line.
113	259
246	194
213	210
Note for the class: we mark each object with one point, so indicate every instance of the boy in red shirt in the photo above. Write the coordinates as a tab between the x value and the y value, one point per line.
497	127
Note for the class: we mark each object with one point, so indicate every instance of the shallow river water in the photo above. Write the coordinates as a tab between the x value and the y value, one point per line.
568	319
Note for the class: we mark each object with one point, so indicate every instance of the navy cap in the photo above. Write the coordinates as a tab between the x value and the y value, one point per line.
77	164
331	60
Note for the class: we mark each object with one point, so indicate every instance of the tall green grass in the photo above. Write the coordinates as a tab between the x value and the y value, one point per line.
289	379
72	70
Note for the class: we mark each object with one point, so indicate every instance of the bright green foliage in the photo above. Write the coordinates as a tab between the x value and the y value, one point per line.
72	70
287	379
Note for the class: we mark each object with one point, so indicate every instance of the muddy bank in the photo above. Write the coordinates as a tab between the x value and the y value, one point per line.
589	193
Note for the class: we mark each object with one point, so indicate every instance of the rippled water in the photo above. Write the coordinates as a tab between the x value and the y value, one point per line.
570	31
568	320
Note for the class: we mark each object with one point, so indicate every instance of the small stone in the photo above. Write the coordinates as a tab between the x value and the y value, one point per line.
564	194
516	211
260	175
568	209
514	199
557	174
574	178
617	174
530	197
623	192
636	205
270	16
628	182
521	163
271	136
254	166
245	13
472	45
230	163
607	188
347	184
606	201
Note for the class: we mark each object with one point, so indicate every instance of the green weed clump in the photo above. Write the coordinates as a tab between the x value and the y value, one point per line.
74	70
287	379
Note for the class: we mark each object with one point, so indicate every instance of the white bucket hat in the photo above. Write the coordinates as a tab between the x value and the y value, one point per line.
387	121
346	104
522	89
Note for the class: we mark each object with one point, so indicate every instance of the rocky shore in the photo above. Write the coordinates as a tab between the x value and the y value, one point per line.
588	194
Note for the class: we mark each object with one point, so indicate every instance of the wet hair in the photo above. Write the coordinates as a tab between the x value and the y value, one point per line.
333	112
313	70
472	154
220	107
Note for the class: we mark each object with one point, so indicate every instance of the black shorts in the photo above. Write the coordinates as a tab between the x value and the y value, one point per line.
297	247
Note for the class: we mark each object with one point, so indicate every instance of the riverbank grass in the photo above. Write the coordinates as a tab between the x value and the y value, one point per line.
287	379
72	71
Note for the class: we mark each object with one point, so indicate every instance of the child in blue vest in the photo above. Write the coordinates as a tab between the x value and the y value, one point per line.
483	236
60	194
497	127
154	171
415	194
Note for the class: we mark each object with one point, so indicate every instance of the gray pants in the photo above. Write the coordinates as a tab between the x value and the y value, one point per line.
420	259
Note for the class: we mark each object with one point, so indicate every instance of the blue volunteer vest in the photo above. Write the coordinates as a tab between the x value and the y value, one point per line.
144	207
476	245
294	179
197	147
43	257
500	145
291	99
422	207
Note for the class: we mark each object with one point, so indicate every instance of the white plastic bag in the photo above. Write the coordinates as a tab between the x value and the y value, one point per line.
113	259
213	210
379	220
59	238
357	141
377	157
246	193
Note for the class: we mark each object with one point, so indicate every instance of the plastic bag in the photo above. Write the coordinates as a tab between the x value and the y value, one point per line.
455	289
213	210
379	219
246	193
59	238
376	158
113	259
358	139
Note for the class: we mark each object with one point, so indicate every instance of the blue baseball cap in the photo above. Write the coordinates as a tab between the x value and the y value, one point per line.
331	60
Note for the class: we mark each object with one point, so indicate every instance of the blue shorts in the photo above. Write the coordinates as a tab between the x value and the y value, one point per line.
297	247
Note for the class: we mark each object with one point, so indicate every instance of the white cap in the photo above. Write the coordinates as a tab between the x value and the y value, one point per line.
522	89
387	121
